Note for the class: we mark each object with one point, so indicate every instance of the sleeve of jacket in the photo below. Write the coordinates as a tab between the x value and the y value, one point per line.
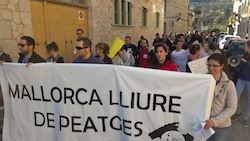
230	107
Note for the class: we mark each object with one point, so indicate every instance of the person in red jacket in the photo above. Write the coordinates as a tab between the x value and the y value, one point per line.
143	54
163	60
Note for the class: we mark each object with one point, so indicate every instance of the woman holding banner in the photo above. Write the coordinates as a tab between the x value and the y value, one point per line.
224	102
163	60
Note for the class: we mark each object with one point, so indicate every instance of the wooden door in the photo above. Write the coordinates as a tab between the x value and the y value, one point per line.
57	22
38	25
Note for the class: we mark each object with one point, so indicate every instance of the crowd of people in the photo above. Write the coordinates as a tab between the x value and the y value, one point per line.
163	54
175	53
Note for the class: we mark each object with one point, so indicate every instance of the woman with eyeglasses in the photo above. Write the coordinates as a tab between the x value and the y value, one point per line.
102	51
224	102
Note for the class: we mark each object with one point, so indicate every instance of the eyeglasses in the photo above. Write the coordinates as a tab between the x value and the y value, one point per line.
80	48
214	66
22	45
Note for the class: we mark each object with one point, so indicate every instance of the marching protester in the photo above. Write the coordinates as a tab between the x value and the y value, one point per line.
163	60
52	50
120	58
139	43
131	48
143	60
102	51
27	53
79	33
157	39
206	48
167	41
194	55
224	101
211	40
244	82
180	56
182	38
83	46
197	37
4	57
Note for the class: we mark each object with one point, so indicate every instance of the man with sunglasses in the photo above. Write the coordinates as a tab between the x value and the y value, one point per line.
79	34
83	47
27	54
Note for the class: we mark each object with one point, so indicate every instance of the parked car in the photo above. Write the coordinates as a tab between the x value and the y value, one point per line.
232	40
234	48
224	40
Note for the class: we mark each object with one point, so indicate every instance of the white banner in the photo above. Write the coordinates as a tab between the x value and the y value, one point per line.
75	102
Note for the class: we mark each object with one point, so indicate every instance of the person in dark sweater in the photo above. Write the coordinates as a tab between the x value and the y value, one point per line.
167	42
52	50
242	82
102	51
197	37
83	46
157	39
131	48
27	53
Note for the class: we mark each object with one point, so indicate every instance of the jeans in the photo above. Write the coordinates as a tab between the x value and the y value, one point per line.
241	84
221	134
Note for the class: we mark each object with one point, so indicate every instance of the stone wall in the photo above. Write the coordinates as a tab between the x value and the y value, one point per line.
15	21
101	21
176	8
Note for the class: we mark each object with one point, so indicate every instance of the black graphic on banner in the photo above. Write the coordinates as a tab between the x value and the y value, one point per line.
169	132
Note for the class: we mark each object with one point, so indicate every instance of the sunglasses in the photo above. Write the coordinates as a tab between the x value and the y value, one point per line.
80	48
22	45
79	33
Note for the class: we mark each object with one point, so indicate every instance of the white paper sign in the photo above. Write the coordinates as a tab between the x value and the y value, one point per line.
199	66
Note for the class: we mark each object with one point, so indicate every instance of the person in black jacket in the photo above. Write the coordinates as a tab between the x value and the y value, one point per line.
197	37
157	39
54	56
131	48
102	51
27	54
167	42
244	82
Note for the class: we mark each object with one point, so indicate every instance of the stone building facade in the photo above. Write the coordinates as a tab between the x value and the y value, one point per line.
15	21
102	19
176	16
190	19
105	21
